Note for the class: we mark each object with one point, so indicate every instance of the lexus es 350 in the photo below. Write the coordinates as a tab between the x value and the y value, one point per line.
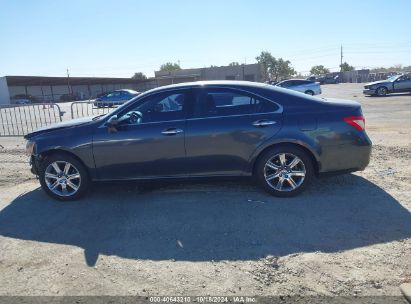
221	128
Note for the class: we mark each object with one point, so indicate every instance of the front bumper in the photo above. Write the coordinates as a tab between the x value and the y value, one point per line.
34	165
369	92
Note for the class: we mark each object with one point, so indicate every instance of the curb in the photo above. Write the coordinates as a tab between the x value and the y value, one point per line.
406	291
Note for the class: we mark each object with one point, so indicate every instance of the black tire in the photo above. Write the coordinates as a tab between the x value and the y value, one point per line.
260	170
61	158
309	92
381	91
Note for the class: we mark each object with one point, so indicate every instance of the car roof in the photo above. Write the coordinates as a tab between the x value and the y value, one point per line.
125	90
253	87
305	80
221	83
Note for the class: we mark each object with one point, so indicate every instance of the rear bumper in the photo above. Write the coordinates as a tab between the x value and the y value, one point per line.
347	157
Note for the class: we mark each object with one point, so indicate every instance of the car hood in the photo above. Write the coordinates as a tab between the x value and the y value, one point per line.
377	82
60	125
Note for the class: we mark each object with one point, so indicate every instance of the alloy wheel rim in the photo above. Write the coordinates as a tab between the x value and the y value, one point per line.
382	91
284	172
62	178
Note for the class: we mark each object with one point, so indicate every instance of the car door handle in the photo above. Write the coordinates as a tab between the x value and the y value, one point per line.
171	131
263	123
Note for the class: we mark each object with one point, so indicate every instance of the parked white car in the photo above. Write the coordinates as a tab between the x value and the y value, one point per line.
301	85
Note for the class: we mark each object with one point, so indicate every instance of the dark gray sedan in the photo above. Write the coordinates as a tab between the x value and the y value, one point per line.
394	84
222	128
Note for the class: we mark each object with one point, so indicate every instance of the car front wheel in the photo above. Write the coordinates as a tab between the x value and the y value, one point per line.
309	92
63	177
382	91
284	171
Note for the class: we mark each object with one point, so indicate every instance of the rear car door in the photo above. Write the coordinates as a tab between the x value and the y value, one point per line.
299	85
225	128
151	146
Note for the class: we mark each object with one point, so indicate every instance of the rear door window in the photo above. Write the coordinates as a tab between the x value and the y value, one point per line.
228	102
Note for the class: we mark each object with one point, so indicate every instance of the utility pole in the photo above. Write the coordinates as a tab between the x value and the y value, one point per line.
243	69
341	62
68	81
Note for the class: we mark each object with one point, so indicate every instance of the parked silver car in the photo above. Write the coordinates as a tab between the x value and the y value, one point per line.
394	84
300	85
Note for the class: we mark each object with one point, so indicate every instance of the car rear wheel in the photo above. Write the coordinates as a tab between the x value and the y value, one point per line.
309	92
382	91
284	171
63	177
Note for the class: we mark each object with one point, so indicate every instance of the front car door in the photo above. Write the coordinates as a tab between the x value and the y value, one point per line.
149	141
225	128
403	84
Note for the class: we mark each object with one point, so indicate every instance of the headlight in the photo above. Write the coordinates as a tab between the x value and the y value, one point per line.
30	147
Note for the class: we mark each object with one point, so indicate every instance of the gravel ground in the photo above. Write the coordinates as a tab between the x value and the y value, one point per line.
346	235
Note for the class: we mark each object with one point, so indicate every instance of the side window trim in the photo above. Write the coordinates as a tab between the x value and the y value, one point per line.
194	94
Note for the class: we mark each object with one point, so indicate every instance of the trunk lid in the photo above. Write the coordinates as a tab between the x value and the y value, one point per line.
341	102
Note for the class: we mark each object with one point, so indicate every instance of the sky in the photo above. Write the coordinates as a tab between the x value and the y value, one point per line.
116	38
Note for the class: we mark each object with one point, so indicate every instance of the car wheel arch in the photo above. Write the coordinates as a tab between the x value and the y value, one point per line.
383	87
309	150
47	153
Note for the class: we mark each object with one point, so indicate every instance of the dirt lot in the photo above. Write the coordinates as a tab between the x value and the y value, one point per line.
346	235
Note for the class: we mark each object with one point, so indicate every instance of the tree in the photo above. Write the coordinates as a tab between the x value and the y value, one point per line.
345	67
139	76
169	66
319	70
234	63
397	67
274	69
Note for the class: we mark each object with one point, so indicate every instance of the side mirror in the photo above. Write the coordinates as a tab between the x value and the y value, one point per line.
113	122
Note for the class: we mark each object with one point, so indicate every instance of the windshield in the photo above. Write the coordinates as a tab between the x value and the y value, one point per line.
119	108
393	78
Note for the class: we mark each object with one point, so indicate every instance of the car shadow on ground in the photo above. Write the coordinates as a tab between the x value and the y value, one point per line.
212	220
402	94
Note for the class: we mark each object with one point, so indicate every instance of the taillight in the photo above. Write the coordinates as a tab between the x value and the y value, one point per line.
357	122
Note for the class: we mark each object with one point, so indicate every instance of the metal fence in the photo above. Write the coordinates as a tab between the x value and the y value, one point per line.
18	120
91	108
